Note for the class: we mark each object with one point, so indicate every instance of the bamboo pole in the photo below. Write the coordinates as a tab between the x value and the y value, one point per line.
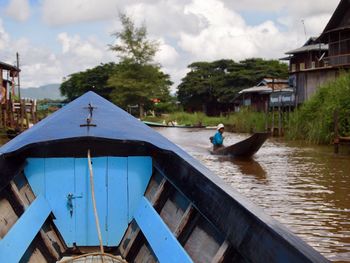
94	204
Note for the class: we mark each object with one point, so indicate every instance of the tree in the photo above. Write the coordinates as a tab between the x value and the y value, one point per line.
137	80
211	86
139	84
94	79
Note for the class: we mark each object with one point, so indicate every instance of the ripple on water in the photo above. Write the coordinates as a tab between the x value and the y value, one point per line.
304	187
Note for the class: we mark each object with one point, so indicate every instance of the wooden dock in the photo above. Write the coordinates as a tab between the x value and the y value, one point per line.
338	139
17	116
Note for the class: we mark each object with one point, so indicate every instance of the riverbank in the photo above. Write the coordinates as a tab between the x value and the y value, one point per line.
244	121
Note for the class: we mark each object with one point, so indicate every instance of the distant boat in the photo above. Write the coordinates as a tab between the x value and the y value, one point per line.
138	196
245	148
170	125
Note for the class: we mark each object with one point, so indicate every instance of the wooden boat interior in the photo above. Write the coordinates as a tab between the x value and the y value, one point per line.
155	202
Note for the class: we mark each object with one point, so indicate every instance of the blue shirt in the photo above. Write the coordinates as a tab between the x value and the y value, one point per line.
218	139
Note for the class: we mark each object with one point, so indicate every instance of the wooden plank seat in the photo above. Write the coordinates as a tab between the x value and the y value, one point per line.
22	233
164	244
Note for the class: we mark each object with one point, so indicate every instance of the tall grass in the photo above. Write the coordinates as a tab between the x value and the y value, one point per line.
243	121
314	121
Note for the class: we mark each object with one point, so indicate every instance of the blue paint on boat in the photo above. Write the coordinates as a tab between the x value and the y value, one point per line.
17	240
164	244
120	183
117	218
139	174
59	183
36	170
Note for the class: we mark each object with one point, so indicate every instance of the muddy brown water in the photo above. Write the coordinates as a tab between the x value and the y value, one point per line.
307	188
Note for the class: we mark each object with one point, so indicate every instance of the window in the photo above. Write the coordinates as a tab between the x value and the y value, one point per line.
293	68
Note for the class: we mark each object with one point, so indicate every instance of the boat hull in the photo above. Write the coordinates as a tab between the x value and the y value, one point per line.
245	148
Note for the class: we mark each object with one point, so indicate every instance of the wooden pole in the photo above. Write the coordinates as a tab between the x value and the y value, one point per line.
273	120
279	121
18	80
266	115
336	132
2	100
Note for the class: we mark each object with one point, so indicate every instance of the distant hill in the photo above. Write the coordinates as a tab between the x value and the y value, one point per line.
50	91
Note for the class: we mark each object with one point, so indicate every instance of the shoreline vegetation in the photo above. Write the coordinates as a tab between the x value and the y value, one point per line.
244	121
312	122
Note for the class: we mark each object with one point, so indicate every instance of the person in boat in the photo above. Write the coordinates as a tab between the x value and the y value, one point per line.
217	140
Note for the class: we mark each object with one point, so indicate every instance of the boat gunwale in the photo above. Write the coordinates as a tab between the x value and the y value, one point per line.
223	191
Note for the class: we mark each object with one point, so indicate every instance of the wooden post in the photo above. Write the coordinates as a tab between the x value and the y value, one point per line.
279	121
336	132
18	79
26	113
266	116
273	120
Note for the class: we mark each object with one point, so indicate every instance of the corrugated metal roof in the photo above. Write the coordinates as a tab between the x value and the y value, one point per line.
264	90
256	89
314	47
6	66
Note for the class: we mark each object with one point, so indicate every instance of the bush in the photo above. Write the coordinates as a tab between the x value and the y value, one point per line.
314	121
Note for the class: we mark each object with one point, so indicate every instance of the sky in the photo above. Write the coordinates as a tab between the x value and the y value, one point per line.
56	38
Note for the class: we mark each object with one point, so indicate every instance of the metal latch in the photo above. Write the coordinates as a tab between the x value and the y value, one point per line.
70	198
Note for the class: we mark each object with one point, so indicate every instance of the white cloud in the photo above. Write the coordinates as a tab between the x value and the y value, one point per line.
188	31
166	55
60	12
18	9
4	37
228	36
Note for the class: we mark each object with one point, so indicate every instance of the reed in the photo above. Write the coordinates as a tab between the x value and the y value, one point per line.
314	121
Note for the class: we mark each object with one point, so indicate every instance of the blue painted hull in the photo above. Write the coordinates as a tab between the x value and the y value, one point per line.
154	200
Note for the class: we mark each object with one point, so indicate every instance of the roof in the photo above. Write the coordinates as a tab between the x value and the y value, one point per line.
256	89
265	81
111	123
6	66
339	20
308	48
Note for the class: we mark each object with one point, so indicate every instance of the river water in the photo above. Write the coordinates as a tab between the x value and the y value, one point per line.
307	188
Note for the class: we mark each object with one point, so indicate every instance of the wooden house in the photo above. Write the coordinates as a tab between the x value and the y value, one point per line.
321	59
16	114
8	73
259	97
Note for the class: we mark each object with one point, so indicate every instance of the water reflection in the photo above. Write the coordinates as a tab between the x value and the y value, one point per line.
306	188
247	166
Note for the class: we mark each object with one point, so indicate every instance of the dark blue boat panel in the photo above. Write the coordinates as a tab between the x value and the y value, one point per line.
17	240
119	182
111	123
139	174
166	247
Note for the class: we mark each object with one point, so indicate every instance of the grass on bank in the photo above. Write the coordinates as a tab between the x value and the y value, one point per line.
314	120
243	121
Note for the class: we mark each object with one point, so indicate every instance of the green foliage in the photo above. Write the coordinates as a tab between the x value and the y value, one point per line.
209	84
133	45
243	121
138	84
137	81
94	79
314	121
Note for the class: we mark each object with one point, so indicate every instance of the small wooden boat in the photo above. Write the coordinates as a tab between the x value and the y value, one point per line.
170	125
91	182
245	148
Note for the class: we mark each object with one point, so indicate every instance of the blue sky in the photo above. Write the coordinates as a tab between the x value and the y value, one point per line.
58	37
